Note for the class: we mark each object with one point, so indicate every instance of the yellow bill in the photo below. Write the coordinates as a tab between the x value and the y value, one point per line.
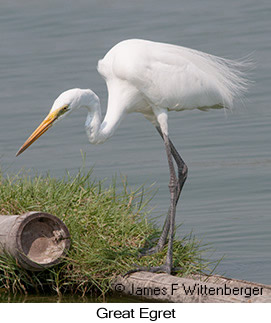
42	128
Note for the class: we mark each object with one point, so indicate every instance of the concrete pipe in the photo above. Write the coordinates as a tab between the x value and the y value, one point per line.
36	240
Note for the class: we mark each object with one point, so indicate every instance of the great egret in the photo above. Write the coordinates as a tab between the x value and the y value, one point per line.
152	78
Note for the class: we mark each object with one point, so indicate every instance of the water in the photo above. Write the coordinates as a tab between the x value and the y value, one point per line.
50	46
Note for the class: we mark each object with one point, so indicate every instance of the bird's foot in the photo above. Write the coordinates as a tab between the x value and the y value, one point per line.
147	252
165	268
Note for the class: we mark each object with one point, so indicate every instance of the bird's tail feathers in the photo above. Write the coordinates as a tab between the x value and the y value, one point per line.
234	77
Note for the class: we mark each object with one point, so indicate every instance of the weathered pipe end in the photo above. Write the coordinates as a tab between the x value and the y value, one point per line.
37	240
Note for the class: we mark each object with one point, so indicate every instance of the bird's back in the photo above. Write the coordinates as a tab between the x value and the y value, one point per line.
174	77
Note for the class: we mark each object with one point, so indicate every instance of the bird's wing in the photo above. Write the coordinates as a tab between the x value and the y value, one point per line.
173	81
176	77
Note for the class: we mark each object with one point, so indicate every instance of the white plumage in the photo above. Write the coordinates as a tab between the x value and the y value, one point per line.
152	78
170	76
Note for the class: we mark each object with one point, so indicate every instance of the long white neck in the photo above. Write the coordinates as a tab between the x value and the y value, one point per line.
99	131
93	124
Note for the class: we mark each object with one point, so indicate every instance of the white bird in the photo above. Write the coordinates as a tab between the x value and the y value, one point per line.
152	78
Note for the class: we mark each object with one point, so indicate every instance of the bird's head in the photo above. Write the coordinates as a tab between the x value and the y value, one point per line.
67	102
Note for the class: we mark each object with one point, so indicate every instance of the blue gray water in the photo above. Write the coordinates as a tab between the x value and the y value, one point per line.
50	46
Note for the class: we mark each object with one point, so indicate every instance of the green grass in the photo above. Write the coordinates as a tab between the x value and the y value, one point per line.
108	227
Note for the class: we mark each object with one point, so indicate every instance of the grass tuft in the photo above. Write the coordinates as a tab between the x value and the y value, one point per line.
108	227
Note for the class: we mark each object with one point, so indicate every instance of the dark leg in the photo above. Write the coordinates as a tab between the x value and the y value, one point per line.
182	175
181	165
175	187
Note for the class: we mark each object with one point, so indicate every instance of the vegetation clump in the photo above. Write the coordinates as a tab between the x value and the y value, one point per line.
108	227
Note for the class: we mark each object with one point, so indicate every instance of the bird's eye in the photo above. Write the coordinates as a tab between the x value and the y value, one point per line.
63	109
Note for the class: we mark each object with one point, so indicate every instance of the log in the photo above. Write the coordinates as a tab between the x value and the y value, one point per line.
192	289
37	240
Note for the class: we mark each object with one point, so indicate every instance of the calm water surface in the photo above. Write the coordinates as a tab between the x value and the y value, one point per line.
50	46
